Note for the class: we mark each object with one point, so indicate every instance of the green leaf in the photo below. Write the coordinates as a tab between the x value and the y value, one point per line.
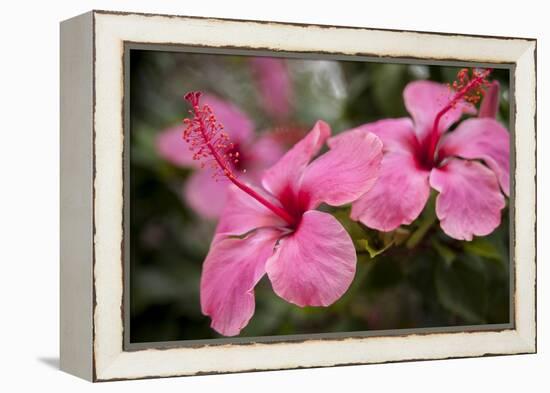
365	246
444	252
388	83
462	288
352	227
384	273
483	248
368	240
397	237
425	222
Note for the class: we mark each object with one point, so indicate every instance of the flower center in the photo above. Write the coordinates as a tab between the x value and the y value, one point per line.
238	160
296	204
210	144
468	88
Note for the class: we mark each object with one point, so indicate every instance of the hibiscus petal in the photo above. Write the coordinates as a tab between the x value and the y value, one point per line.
274	84
424	99
315	265
236	123
469	201
288	170
265	152
345	172
484	139
397	135
171	146
205	195
230	272
397	197
490	103
242	213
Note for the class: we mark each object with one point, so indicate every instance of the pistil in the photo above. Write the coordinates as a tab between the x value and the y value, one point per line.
207	139
469	89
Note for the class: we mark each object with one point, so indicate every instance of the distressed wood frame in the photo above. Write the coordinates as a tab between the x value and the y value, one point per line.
92	195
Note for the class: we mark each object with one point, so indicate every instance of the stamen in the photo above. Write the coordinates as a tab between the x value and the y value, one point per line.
209	144
470	89
207	139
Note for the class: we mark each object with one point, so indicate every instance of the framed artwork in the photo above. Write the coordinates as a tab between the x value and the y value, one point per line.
245	195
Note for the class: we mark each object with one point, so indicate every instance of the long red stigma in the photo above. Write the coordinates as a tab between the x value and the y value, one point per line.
210	144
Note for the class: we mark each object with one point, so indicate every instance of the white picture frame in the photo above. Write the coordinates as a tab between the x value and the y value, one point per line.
92	195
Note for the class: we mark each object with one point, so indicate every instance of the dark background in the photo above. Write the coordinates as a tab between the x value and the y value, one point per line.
428	280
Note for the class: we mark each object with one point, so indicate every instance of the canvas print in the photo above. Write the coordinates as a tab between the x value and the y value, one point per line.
284	196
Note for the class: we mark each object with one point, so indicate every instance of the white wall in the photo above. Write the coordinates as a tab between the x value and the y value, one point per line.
29	195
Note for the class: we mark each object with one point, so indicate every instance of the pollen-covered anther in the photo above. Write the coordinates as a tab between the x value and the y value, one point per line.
206	138
473	84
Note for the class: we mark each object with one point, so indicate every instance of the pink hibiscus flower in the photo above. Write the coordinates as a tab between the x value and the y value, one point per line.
203	195
274	84
469	166
275	230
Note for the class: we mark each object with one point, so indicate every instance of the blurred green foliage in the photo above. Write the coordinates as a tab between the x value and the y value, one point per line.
413	277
